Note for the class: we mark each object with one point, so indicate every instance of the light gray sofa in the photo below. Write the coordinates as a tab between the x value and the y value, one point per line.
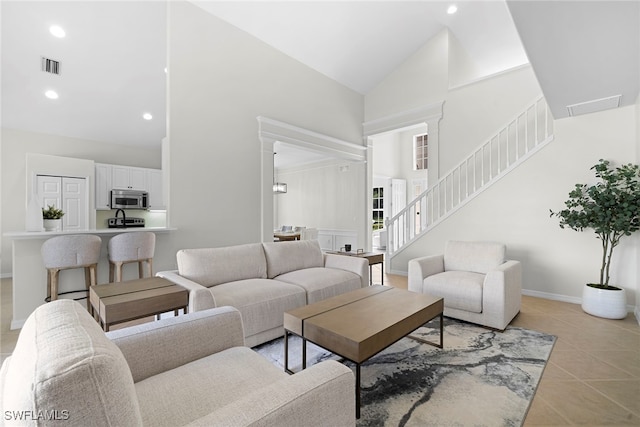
477	282
187	370
263	280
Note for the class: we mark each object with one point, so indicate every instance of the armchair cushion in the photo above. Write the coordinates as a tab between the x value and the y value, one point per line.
478	257
191	391
460	289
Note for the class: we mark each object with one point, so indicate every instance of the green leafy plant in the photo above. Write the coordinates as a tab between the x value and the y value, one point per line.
611	208
52	213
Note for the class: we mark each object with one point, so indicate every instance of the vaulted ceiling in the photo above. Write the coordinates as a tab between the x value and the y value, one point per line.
113	57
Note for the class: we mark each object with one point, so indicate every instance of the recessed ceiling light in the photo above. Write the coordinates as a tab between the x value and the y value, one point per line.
147	116
57	31
452	9
51	94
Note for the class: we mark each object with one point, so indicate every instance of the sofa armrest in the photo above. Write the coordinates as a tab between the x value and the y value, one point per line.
502	291
155	347
199	296
321	395
421	268
354	264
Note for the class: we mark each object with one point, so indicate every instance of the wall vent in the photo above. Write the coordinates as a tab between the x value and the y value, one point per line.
594	105
50	66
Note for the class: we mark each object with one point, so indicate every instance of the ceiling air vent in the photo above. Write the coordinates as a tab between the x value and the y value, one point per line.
50	66
594	105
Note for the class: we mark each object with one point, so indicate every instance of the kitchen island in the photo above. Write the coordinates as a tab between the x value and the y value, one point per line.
29	273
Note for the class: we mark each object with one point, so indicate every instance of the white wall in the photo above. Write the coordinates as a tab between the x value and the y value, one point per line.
220	80
326	195
515	210
14	146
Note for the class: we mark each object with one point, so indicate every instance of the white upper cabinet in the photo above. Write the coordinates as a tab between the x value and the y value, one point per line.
126	177
109	177
103	186
156	196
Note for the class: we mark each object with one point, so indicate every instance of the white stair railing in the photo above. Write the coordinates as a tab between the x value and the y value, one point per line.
513	144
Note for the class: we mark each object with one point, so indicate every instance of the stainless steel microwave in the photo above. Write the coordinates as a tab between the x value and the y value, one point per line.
129	199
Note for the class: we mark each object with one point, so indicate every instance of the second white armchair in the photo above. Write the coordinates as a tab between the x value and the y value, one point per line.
476	281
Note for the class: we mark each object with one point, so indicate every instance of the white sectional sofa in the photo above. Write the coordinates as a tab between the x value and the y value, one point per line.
263	280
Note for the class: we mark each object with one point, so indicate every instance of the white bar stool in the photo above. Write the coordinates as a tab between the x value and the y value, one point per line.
65	252
138	246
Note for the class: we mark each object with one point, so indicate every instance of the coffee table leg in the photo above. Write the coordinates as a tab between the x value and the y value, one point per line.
286	352
304	353
357	391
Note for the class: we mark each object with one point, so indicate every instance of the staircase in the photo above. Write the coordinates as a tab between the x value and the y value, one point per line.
512	145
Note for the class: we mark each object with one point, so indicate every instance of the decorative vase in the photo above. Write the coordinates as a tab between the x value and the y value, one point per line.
606	303
52	224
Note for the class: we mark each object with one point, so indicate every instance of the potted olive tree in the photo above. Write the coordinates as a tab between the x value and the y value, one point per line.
51	218
611	208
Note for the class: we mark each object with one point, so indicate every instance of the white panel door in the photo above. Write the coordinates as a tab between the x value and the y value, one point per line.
68	194
74	199
49	190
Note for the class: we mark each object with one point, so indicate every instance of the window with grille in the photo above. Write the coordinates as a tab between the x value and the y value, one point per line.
420	152
378	208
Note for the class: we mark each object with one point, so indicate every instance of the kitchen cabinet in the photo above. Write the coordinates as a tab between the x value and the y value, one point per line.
108	177
127	177
103	186
155	189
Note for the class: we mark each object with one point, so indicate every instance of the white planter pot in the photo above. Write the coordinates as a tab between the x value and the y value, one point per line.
52	224
610	304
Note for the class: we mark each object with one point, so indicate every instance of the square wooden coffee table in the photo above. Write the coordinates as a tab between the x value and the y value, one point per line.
134	299
359	324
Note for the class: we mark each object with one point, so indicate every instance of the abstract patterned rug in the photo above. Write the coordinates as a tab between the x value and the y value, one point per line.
480	378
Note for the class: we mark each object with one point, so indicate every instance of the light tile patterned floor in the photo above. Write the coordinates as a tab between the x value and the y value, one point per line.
592	378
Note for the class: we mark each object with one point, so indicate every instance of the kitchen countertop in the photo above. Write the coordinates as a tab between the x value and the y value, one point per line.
99	231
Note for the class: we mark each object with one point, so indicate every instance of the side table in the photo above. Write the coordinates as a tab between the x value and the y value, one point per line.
373	258
134	299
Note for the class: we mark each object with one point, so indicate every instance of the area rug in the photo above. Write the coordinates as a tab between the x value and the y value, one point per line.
480	378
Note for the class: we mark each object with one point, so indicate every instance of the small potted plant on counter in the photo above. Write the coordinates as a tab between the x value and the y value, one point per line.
52	218
611	208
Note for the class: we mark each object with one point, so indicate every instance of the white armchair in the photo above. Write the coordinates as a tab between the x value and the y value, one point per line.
476	281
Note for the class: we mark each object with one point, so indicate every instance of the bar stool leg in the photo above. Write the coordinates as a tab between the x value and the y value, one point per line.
53	277
118	271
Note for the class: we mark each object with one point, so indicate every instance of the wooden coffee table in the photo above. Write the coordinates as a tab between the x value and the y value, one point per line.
359	324
134	299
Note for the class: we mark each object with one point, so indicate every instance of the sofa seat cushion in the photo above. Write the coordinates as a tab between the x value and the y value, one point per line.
213	266
261	302
460	289
283	257
321	283
191	391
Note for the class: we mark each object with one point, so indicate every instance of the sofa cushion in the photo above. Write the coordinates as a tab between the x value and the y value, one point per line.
65	366
213	266
261	302
321	283
460	289
283	257
191	391
478	257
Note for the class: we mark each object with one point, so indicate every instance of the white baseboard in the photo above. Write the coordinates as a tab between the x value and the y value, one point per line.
398	273
17	324
554	297
6	275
